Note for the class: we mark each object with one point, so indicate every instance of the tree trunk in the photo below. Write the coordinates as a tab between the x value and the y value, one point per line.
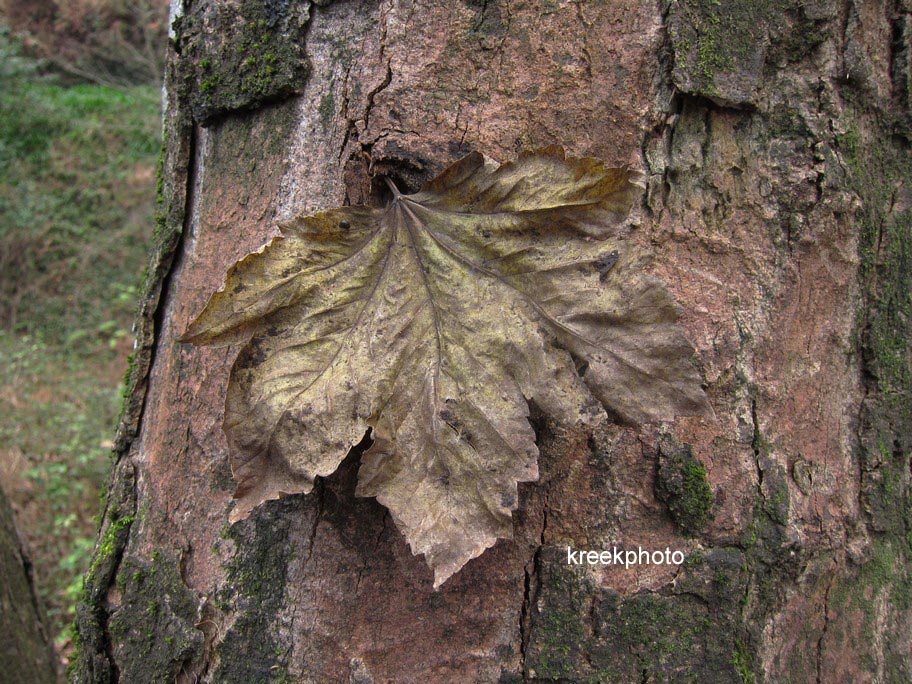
26	656
774	141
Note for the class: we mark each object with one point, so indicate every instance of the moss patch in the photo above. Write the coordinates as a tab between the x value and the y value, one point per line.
870	597
583	633
559	623
721	47
113	539
241	56
153	628
869	602
881	175
875	152
681	484
90	662
254	589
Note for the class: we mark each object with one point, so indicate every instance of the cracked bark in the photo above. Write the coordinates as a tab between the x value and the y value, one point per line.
752	211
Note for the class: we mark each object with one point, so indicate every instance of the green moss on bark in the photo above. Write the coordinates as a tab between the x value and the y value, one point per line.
584	633
721	47
681	484
241	56
558	637
874	152
90	663
153	629
112	540
881	175
252	650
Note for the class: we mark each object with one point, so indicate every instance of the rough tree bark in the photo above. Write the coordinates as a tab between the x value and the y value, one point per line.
774	137
26	656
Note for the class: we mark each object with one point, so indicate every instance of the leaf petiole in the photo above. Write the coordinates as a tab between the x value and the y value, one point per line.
392	187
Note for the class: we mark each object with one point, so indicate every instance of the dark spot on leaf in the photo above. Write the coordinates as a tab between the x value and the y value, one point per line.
240	287
507	500
293	417
251	357
605	264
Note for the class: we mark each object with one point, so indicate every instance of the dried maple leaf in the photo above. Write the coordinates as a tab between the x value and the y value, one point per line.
434	321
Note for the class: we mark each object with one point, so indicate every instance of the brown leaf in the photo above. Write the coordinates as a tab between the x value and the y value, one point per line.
434	321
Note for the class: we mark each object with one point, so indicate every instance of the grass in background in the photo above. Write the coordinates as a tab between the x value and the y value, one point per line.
75	200
76	205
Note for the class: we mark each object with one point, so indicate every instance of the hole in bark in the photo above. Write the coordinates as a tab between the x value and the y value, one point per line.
408	171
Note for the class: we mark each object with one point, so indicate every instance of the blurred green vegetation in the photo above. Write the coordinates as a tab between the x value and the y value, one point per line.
76	212
78	164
